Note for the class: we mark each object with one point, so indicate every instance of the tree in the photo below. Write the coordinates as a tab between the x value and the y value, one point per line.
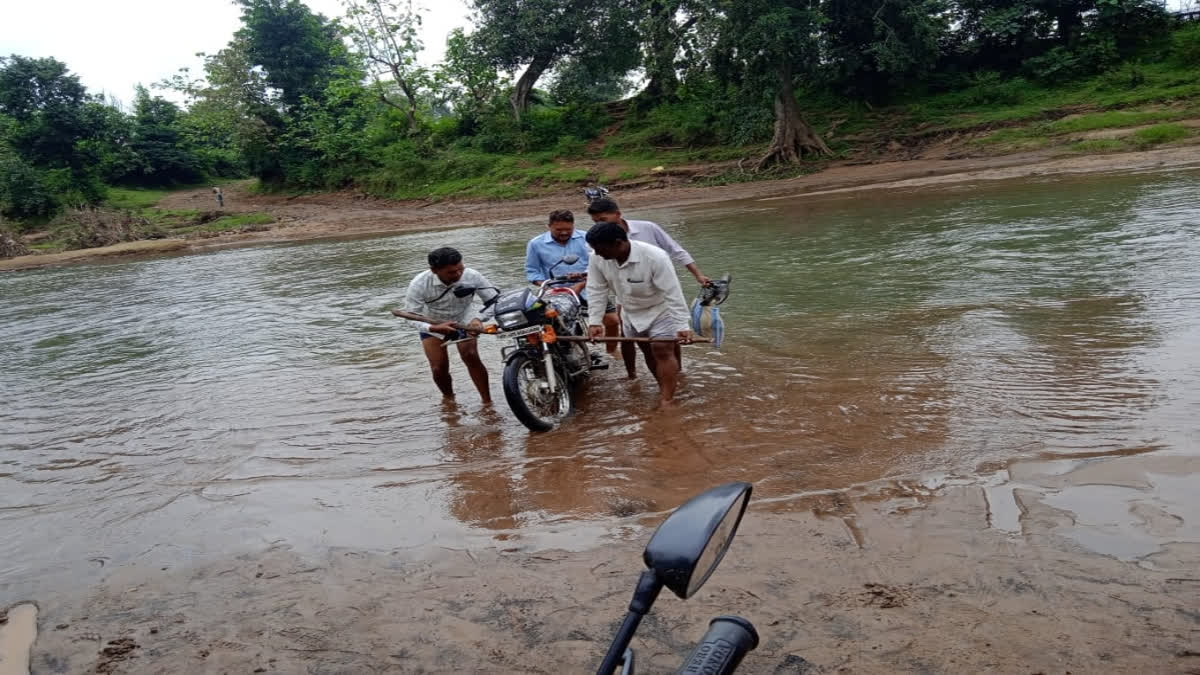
466	78
45	101
299	50
45	108
664	27
234	106
158	143
538	33
386	34
876	45
770	43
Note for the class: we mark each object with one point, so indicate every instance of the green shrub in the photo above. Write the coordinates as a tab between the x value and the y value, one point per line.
1185	45
1159	133
24	194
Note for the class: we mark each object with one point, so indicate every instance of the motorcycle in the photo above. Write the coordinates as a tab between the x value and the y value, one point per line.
595	192
542	372
683	553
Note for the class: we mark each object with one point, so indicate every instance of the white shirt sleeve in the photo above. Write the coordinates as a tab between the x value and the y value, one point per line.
597	291
414	302
672	247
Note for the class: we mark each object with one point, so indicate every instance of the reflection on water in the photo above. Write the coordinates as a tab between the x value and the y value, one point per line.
190	407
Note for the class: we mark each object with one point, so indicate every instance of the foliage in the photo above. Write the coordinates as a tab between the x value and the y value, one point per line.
1160	133
385	33
1185	45
298	50
24	195
876	47
163	156
305	103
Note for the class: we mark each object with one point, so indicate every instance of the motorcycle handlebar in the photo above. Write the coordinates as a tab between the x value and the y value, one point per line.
728	640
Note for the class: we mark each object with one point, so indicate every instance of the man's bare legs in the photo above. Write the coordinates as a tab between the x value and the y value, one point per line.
439	365
469	351
612	328
660	357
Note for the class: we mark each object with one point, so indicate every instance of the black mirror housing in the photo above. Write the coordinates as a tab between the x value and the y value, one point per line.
682	541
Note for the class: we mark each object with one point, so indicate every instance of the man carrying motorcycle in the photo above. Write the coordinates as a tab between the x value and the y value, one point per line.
643	280
549	248
444	292
606	210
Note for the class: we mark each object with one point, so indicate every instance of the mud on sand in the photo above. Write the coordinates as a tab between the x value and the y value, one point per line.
866	587
345	214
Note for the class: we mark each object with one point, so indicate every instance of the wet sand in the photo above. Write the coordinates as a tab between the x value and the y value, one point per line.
341	215
834	584
18	630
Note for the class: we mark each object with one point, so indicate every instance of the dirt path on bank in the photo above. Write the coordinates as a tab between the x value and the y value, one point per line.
347	214
864	587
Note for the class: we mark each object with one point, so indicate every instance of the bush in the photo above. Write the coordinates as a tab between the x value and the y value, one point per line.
1185	45
24	194
1159	133
90	228
1093	53
11	245
990	88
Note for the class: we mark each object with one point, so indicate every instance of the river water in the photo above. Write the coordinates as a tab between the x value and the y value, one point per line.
177	410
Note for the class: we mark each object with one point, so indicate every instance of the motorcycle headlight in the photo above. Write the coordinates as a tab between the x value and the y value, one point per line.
510	319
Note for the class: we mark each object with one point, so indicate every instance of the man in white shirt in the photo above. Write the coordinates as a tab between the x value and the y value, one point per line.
605	210
445	292
643	280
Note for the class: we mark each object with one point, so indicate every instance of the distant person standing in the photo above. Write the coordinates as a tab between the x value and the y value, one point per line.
220	197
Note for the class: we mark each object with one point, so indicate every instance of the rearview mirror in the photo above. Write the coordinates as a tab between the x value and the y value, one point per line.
690	543
570	259
464	291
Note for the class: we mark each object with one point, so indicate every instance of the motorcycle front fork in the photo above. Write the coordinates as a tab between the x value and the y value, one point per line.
551	376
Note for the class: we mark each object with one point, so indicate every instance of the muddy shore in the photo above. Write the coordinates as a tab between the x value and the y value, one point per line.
834	584
336	215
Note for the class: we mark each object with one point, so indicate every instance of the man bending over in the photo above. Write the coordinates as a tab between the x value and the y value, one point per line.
432	294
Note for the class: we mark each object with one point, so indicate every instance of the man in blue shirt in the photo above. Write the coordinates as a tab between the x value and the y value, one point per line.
560	241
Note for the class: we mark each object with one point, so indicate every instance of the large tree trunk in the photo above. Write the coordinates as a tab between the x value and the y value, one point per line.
794	138
520	95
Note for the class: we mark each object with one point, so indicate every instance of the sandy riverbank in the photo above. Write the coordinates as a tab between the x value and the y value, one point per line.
834	584
333	215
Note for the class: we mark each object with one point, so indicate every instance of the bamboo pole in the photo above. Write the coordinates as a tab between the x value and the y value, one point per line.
565	338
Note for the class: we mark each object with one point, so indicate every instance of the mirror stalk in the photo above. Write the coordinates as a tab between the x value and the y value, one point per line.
648	587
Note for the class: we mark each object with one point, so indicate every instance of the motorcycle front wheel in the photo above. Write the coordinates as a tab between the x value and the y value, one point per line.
528	393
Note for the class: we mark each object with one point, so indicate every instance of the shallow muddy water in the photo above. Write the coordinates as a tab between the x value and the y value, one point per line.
1014	334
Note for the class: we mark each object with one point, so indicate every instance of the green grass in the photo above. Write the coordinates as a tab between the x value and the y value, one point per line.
993	102
238	221
1110	119
1160	133
133	198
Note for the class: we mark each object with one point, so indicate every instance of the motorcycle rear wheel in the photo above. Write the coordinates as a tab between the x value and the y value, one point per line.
525	391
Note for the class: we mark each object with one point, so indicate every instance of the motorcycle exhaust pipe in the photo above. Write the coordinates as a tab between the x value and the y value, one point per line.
728	640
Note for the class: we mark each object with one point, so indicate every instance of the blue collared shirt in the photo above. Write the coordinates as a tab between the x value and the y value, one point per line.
542	252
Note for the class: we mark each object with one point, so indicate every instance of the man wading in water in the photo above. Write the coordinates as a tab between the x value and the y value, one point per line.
546	250
605	210
652	305
432	294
